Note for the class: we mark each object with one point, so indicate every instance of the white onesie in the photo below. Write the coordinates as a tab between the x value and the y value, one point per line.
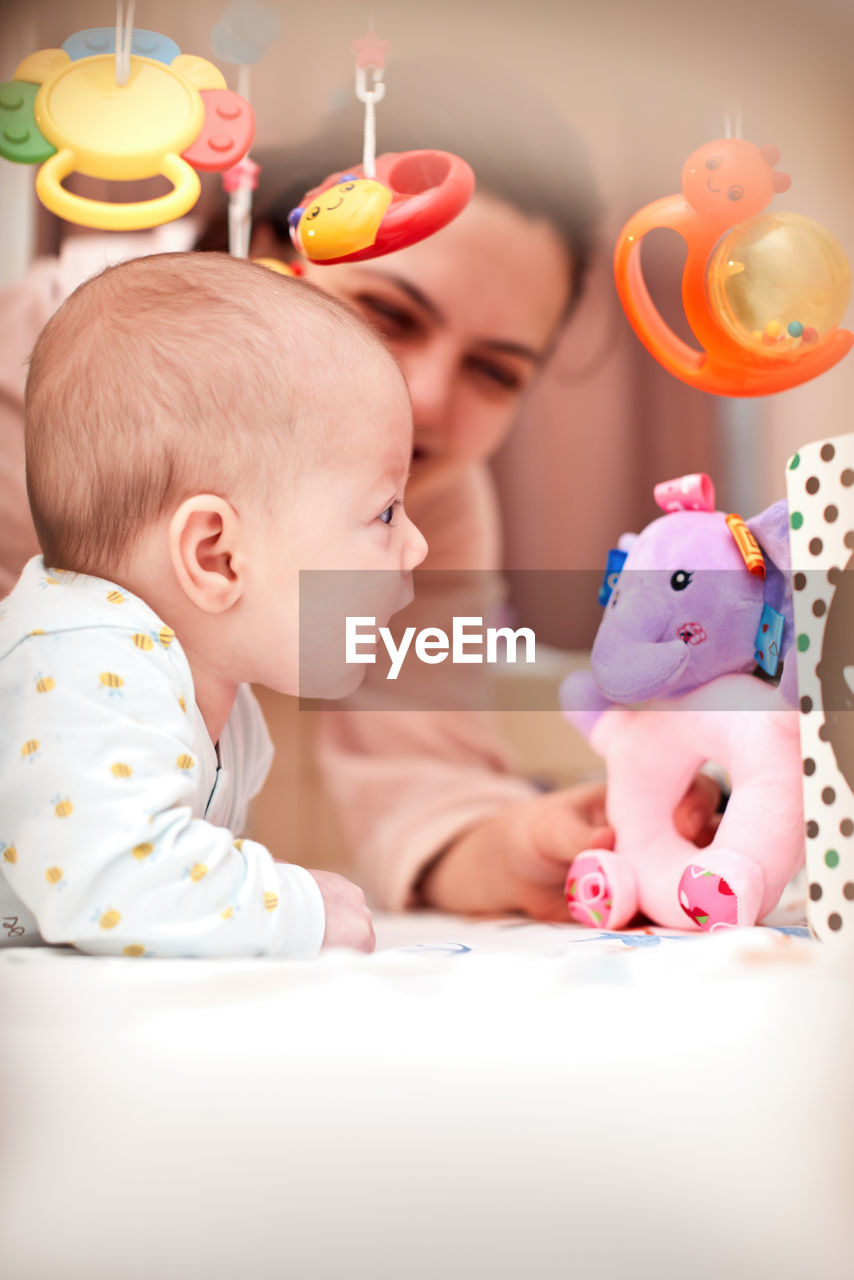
118	816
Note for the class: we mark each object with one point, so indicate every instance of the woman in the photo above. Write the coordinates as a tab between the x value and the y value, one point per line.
434	812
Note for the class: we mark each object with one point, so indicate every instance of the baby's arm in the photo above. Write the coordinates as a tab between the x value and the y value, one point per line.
99	807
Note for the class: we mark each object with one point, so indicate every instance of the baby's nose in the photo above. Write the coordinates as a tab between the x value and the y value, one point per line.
415	548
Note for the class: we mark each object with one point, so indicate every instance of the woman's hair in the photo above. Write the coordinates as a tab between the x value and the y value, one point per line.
520	147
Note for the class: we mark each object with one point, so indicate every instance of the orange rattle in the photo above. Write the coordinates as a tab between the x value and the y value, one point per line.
762	293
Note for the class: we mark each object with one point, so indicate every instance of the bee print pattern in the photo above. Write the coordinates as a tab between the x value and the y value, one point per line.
44	684
120	770
112	682
29	750
10	853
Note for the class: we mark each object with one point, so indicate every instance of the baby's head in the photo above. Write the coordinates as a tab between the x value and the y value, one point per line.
201	429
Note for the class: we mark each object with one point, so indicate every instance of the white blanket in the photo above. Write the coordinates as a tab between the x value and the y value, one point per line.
477	1099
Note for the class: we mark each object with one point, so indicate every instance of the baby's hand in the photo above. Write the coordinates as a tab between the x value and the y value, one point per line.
348	920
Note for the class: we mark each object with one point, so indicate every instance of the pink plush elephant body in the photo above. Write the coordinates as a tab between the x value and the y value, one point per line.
701	598
652	755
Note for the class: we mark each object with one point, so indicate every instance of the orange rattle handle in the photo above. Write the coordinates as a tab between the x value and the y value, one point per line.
107	216
646	320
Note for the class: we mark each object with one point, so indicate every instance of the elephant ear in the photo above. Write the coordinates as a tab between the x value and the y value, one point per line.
771	530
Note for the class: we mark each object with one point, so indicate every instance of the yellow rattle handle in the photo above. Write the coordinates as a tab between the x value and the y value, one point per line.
117	217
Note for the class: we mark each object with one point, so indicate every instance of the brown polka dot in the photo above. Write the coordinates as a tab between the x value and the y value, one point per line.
848	891
827	453
806	705
819	608
816	546
812	485
815	892
800	581
812	830
847	477
824	733
809	767
834	922
833	575
828	795
846	827
830	513
849	539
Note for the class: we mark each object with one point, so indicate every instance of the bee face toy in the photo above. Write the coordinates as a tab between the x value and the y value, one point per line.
350	217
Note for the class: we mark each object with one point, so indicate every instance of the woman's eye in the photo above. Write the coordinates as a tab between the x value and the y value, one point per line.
680	579
392	321
500	374
387	516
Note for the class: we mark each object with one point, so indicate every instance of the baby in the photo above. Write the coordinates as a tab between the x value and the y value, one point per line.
198	431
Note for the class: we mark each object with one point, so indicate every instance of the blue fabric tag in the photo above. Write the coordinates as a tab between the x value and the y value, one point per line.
613	569
769	638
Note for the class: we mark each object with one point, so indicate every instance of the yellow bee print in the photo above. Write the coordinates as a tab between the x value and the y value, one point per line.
166	635
110	919
45	684
142	641
62	808
38	632
52	581
228	913
119	770
134	949
10	853
110	680
53	875
182	704
271	900
115	597
185	763
143	850
238	844
29	749
198	872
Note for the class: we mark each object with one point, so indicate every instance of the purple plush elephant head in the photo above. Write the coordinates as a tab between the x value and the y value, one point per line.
689	603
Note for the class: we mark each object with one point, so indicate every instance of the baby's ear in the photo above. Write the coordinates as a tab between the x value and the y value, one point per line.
206	552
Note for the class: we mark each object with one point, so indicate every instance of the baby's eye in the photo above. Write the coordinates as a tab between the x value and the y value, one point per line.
387	516
713	162
680	579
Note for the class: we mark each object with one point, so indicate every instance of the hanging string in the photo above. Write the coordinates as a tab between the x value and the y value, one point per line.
732	123
370	97
124	38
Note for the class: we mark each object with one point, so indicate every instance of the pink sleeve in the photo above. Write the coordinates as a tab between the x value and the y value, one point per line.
407	782
24	309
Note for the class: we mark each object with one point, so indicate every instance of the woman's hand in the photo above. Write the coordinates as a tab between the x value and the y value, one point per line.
517	860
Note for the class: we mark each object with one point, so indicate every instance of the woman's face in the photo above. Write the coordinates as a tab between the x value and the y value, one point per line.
469	313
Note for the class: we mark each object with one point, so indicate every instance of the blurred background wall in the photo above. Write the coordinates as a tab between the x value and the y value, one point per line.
643	84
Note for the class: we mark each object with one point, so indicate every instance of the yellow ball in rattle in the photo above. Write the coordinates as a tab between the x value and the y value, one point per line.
779	284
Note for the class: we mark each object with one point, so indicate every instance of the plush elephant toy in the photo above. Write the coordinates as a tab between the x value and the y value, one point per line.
702	600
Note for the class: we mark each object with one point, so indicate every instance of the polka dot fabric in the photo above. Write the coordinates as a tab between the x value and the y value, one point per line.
820	482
